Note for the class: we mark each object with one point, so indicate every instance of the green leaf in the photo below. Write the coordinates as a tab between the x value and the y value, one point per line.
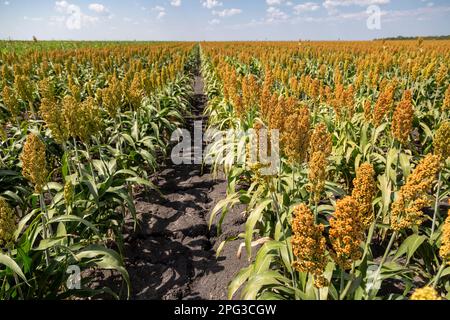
264	258
10	263
71	218
405	164
50	242
258	281
409	246
254	217
105	259
239	280
222	245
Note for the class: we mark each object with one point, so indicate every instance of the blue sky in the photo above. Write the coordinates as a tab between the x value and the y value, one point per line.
222	19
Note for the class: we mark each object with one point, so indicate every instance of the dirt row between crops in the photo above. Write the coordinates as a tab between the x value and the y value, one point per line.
171	255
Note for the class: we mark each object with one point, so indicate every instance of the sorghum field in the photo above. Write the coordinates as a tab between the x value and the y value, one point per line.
356	210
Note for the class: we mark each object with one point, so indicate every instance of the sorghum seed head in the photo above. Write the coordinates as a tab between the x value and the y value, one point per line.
426	293
294	132
34	165
51	113
446	102
69	192
383	105
346	233
7	223
406	211
403	119
444	251
317	174
308	244
364	190
10	100
321	140
441	141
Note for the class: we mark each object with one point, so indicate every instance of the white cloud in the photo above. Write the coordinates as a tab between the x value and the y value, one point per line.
329	4
161	12
275	14
175	3
100	9
227	12
212	4
63	6
419	13
72	16
274	2
6	3
305	7
97	7
35	19
214	22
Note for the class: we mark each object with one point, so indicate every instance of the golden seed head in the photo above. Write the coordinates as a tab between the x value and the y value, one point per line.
7	223
6	72
250	92
10	101
74	89
34	165
423	176
46	89
444	251
82	120
338	100
69	192
364	190
368	110
90	120
51	113
446	102
276	113
346	232
349	100
402	120
294	130
308	244
70	114
314	88
383	105
136	92
266	100
441	141
406	211
112	97
317	174
320	148
441	74
429	69
426	293
321	140
22	86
